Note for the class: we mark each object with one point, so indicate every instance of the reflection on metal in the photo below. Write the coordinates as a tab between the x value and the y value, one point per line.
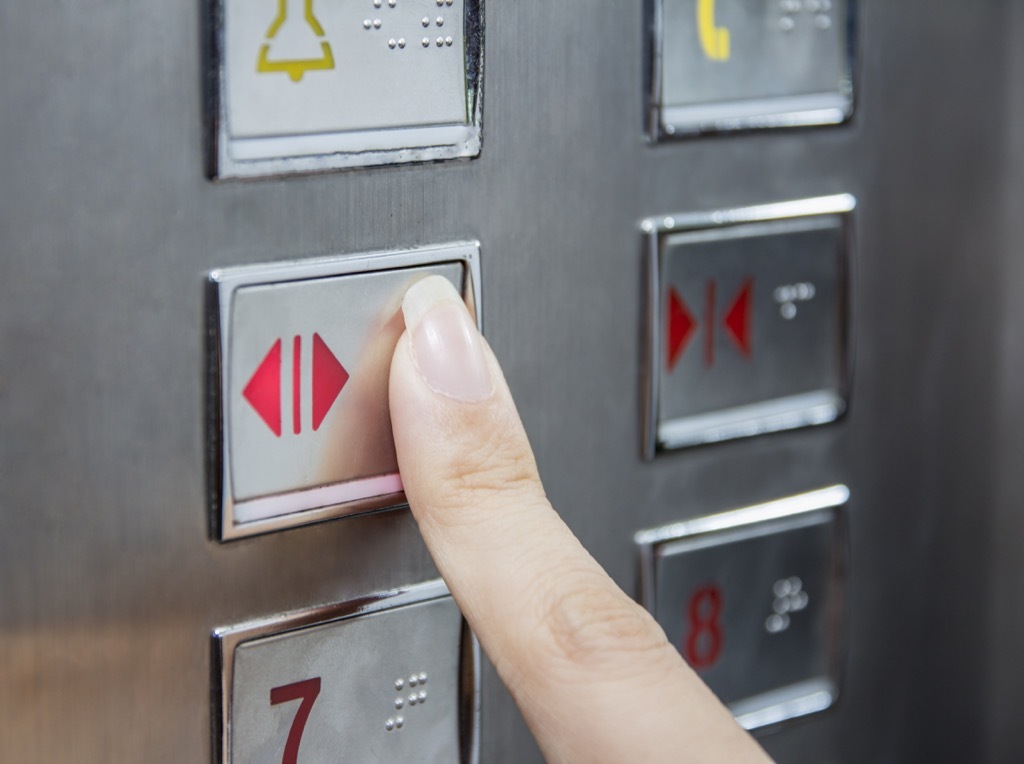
786	558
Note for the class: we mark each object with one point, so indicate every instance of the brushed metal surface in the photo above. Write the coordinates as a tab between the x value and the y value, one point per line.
108	585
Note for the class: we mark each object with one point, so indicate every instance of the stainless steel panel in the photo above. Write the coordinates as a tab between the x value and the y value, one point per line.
734	64
309	86
306	439
389	678
753	600
747	323
109	586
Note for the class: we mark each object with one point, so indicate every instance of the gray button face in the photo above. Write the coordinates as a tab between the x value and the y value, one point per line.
306	350
394	682
310	84
727	64
748	323
752	600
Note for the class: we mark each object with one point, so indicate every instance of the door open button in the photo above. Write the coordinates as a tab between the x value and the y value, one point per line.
301	413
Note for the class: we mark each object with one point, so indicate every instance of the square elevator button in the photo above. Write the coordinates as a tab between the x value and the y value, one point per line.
306	85
740	64
300	353
747	321
753	600
385	679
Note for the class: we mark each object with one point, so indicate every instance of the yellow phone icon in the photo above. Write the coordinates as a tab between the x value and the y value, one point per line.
713	39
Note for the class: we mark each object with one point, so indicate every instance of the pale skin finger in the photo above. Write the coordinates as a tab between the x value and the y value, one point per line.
591	671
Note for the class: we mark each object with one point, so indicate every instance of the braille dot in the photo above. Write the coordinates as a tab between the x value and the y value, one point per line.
399	684
392	43
423	678
376	23
401	42
422	696
367	24
392	3
413	680
440	3
823	22
399	702
376	3
786	24
399	721
440	42
425	21
440	21
412	699
426	42
389	725
448	41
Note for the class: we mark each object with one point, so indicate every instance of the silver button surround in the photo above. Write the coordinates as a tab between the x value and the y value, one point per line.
236	515
423	132
765	543
688	95
323	627
736	407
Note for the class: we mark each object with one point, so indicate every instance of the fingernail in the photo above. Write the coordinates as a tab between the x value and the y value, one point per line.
446	345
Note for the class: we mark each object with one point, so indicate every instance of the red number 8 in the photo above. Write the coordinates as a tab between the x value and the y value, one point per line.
703	644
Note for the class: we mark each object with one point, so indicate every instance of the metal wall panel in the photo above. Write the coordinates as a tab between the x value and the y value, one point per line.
109	587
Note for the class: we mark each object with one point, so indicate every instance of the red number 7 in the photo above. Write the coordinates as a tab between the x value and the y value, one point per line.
306	691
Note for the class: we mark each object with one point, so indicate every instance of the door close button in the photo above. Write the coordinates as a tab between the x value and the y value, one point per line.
748	321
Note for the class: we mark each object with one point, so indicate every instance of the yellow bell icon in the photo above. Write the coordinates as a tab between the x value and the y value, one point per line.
295	67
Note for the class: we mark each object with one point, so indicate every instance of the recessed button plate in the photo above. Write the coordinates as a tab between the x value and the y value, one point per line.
747	322
300	353
387	679
306	85
753	600
740	64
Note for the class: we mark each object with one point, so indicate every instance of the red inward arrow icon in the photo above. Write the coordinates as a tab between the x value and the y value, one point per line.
263	390
738	323
681	326
737	318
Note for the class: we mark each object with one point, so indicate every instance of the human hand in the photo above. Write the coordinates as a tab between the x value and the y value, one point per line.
591	671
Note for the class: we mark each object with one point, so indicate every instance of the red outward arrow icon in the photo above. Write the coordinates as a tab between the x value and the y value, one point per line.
329	377
263	390
737	319
681	326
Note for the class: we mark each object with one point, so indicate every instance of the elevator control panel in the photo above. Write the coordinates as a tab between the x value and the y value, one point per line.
299	428
308	85
753	600
739	64
747	321
386	679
